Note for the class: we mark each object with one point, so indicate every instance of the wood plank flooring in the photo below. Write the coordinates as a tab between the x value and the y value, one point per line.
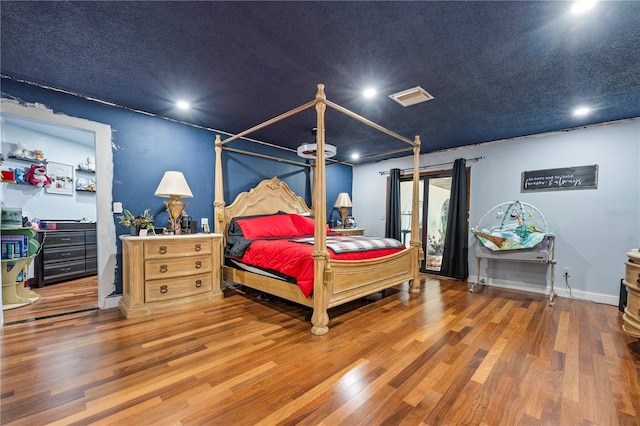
442	357
69	296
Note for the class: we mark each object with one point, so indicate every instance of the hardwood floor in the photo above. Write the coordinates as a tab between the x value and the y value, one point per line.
70	296
444	356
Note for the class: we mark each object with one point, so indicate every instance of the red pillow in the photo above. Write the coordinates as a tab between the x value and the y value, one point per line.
305	224
279	225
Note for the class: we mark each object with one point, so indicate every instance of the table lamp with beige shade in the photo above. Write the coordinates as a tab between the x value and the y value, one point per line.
343	202
174	186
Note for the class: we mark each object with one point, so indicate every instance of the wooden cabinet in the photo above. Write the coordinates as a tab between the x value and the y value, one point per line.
167	273
631	315
68	252
349	231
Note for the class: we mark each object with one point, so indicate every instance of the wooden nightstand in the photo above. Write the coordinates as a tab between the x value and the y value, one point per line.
349	231
168	273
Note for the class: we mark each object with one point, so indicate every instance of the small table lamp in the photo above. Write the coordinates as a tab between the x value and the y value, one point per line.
174	185
343	202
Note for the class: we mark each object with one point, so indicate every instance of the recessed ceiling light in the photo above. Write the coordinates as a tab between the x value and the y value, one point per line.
582	6
581	111
183	105
369	92
355	156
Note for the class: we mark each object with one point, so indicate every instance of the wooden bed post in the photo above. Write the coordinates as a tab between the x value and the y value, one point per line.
320	318
415	242
218	203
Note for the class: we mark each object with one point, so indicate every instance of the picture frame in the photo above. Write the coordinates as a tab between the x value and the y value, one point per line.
62	178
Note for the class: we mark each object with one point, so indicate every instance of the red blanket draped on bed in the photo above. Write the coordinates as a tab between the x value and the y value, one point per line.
294	259
265	242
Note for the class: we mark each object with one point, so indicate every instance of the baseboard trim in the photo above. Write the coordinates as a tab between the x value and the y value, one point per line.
560	292
111	301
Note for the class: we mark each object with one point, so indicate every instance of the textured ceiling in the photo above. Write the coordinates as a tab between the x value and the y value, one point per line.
496	69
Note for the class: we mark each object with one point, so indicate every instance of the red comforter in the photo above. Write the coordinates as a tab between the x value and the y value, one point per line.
294	259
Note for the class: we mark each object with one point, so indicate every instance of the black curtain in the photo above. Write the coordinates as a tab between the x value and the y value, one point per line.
392	225
308	194
455	258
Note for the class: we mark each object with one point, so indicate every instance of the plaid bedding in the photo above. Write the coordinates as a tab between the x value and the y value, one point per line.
344	244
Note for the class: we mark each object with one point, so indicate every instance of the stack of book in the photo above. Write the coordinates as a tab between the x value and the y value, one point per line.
14	246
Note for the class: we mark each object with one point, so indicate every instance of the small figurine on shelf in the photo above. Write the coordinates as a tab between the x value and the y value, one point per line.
19	175
89	165
82	184
20	151
39	156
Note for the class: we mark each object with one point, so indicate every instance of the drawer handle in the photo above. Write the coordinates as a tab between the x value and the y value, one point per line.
198	283
162	249
65	239
164	268
198	247
67	254
65	269
198	264
164	289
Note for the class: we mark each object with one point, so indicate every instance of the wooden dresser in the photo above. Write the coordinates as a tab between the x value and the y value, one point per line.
631	315
68	252
167	273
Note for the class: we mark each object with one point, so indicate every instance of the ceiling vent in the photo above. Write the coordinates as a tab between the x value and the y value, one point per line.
411	96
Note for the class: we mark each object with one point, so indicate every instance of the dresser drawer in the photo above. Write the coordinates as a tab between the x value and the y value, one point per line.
91	266
63	254
63	270
187	247
168	268
55	239
91	250
90	237
175	288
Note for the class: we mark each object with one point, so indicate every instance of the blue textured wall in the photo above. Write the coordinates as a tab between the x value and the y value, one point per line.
144	147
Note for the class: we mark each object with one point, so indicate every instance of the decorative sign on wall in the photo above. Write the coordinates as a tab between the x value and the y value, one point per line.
578	177
62	178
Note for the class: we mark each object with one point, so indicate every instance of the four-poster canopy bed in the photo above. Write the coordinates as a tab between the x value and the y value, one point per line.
335	282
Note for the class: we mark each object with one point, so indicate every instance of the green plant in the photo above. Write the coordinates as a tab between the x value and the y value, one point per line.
140	221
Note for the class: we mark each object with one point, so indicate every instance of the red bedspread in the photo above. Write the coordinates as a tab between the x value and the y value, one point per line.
294	259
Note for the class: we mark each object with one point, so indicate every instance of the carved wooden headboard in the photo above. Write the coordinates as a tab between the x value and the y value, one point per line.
268	197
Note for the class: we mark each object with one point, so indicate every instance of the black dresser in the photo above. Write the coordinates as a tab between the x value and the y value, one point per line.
68	251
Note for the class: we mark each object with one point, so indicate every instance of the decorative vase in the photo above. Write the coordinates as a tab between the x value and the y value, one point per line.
135	230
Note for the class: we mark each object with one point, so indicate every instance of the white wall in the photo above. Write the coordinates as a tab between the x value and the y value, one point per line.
35	200
594	228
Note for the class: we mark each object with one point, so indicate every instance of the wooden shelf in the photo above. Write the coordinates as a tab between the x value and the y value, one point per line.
26	160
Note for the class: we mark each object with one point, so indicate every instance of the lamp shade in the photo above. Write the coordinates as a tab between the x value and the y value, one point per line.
343	200
173	183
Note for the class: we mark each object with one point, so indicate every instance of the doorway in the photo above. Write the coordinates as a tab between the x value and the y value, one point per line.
435	190
105	227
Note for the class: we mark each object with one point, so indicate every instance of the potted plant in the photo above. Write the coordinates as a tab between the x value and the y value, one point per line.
136	223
